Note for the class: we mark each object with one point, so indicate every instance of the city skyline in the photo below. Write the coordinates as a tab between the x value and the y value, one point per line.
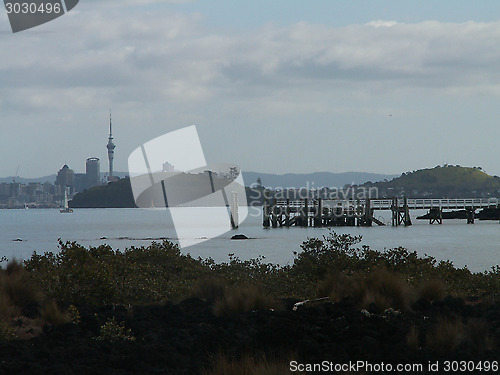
287	87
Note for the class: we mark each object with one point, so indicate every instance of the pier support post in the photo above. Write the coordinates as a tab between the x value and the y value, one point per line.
265	212
304	214
318	213
435	216
233	210
287	213
395	212
274	214
470	215
407	219
368	213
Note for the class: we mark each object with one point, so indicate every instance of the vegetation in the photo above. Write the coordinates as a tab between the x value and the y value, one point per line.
333	266
249	365
244	299
448	181
115	331
113	195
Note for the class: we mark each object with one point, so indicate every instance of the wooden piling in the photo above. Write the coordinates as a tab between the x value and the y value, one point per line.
287	213
470	215
304	214
265	212
274	215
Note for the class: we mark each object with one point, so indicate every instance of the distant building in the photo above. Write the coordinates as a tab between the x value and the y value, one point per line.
65	177
80	182
167	167
93	172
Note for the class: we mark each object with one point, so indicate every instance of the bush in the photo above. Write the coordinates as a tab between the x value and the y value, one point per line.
114	331
99	275
331	266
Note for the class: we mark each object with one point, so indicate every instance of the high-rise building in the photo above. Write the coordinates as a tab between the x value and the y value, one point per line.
111	150
65	177
80	182
93	172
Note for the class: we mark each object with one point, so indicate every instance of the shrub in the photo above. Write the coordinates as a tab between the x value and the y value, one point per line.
75	314
242	299
114	331
100	275
6	332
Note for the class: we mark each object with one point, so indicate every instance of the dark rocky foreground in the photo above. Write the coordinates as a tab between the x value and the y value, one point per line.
181	338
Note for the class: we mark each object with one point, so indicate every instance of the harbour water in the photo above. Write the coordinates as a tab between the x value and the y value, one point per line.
22	232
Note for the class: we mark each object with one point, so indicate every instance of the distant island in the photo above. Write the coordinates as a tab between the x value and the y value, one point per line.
113	195
448	181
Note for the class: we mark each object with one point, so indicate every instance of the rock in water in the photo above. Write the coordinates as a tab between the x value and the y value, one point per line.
239	237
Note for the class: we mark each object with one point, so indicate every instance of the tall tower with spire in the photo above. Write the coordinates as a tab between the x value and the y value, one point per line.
111	150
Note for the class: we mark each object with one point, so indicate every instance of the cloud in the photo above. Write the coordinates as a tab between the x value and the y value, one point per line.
156	64
174	57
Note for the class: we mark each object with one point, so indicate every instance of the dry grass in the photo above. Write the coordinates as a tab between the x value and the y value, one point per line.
413	338
7	309
337	286
243	299
16	291
51	313
380	290
248	365
476	335
390	290
432	290
17	286
446	336
209	290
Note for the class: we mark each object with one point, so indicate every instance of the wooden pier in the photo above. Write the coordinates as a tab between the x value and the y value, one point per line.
324	213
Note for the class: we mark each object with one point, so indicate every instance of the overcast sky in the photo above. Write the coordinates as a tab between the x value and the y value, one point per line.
273	86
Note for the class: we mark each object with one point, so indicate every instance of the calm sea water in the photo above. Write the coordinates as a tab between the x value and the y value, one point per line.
477	246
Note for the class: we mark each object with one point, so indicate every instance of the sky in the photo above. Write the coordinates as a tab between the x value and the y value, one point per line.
273	86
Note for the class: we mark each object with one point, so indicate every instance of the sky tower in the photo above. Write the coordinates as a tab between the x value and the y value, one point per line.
111	150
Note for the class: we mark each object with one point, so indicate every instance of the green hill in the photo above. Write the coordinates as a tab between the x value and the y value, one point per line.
446	181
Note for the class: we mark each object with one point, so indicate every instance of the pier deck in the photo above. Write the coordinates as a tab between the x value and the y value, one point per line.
321	212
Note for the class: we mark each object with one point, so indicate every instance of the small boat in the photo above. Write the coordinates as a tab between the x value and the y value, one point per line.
66	209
